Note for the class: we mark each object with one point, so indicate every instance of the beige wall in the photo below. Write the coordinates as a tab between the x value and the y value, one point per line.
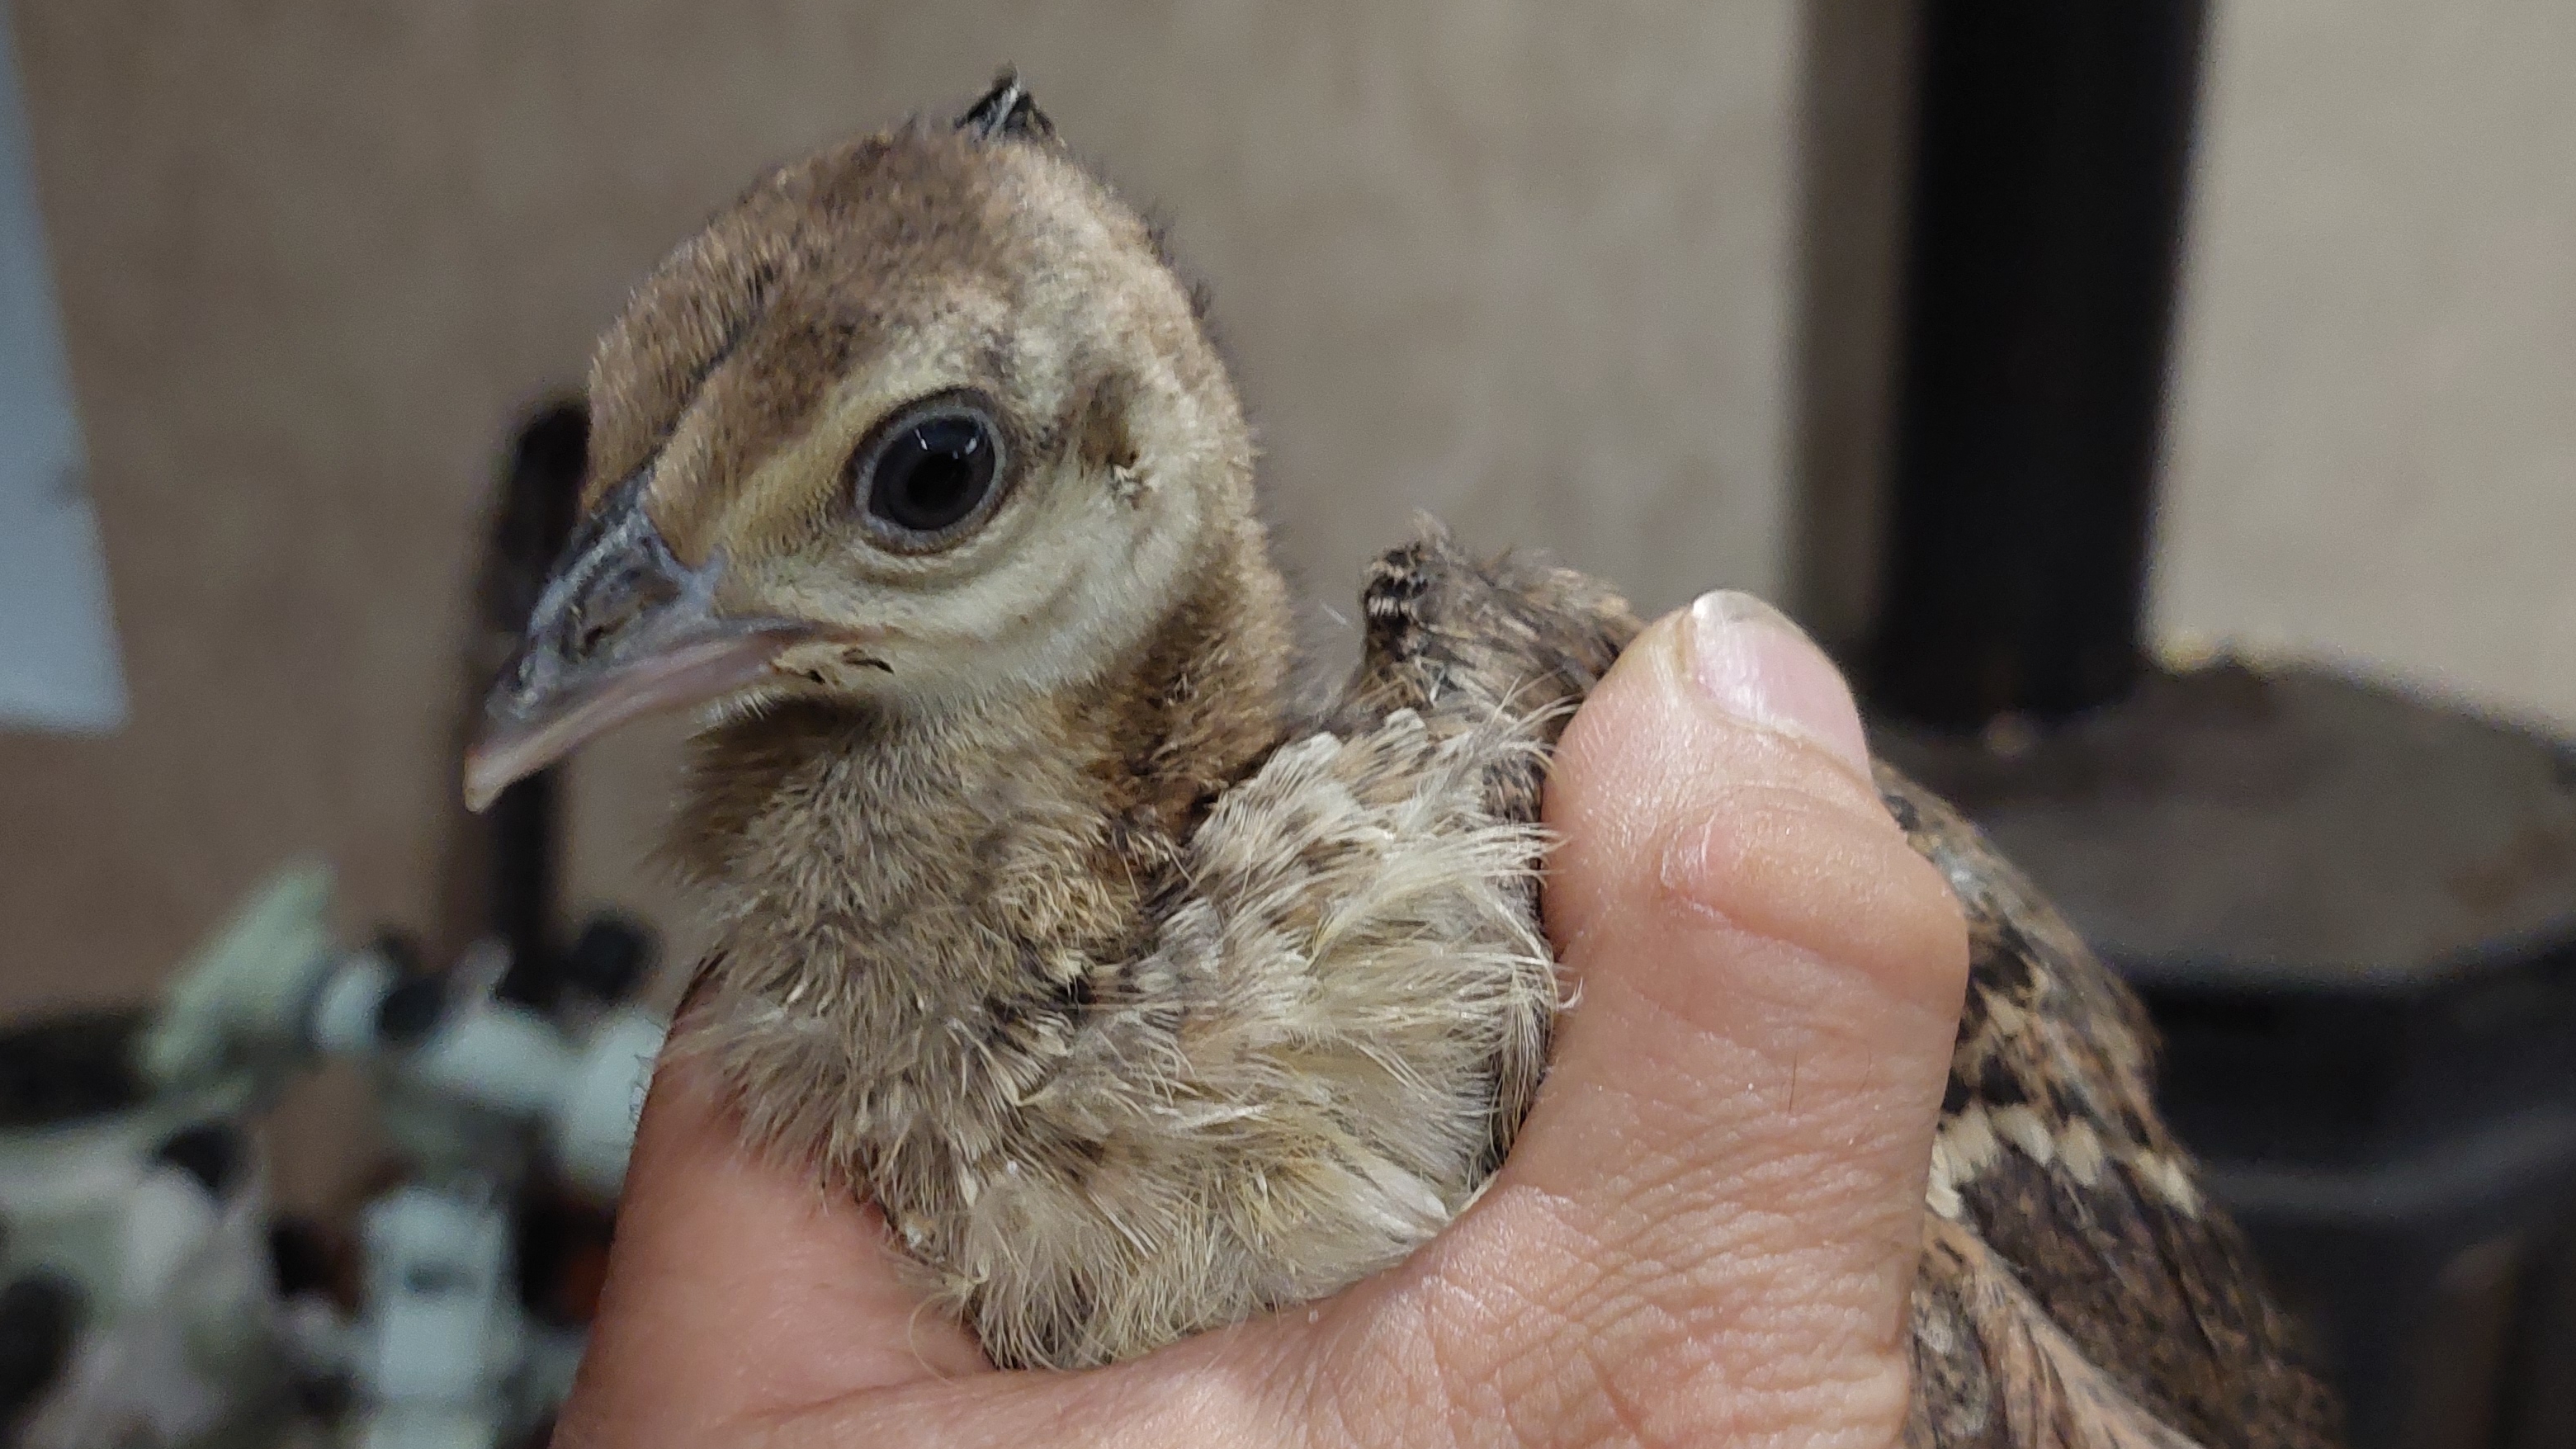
2374	452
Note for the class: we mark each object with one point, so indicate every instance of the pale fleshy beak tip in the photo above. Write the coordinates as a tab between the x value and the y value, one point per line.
485	779
522	736
502	757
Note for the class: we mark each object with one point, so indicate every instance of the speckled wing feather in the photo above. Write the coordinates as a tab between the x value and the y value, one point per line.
1463	640
1503	648
2077	1287
2053	1164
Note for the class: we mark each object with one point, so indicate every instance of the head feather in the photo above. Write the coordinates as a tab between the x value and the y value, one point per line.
1007	110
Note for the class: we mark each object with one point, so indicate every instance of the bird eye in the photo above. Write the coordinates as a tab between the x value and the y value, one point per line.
929	473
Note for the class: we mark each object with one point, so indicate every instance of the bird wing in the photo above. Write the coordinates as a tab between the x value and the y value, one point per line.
2077	1287
1465	642
1992	1369
1493	653
2052	1155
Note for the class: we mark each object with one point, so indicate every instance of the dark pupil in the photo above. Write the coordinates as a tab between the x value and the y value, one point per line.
932	475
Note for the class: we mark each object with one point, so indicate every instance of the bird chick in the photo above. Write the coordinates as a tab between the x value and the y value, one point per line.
1139	997
1137	1004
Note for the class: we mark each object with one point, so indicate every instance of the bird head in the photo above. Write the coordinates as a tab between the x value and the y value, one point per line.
920	421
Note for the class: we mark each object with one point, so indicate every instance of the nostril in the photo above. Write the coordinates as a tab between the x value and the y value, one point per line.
591	628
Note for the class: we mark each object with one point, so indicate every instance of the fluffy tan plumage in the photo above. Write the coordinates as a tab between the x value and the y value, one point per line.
1140	997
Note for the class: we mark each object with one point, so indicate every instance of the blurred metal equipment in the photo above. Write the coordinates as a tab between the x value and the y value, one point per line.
473	1090
135	1303
139	1306
2353	912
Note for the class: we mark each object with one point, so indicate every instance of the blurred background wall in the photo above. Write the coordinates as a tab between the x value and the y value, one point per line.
1613	278
2373	448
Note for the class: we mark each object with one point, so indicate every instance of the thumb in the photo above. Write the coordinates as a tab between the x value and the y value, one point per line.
1728	1155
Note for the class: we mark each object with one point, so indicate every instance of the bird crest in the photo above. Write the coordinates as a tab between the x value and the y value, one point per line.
1006	110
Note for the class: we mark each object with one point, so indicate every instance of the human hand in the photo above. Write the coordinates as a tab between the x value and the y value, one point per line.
1705	1233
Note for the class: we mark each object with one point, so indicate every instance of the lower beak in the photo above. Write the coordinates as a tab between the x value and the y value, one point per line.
622	630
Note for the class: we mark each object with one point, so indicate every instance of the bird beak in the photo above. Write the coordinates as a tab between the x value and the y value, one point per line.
623	629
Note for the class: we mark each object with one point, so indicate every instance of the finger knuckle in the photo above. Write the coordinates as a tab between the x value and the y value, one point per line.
1805	868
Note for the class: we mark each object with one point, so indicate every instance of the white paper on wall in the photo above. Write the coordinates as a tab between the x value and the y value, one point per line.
58	664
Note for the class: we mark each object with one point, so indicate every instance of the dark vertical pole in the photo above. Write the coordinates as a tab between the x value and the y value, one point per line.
2053	142
539	499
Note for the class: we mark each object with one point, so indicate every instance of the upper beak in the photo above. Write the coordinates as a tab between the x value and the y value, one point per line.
623	629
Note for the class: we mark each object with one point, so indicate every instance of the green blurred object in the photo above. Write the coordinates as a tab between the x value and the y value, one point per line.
238	1004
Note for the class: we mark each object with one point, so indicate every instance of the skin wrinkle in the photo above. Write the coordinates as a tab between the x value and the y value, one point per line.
1390	1398
1699	1180
1176	1403
1652	1333
1314	1349
1286	1366
1803	1409
1624	1406
1734	1340
1497	1350
1644	1104
1728	865
1448	1386
1794	1006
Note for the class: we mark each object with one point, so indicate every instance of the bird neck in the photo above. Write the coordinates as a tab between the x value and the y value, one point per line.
933	869
1193	705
